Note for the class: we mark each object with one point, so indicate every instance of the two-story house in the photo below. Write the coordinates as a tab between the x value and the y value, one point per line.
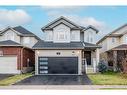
16	54
114	49
67	49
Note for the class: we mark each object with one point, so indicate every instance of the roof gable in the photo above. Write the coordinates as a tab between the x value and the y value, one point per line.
92	27
19	30
62	20
114	33
9	28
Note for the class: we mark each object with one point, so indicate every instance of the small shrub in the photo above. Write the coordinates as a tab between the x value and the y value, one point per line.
102	66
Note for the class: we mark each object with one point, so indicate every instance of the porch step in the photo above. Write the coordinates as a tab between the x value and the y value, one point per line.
90	70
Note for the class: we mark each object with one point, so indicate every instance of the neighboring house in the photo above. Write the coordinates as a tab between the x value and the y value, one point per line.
16	55
114	49
67	46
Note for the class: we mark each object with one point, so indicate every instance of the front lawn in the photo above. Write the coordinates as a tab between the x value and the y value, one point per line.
108	78
14	79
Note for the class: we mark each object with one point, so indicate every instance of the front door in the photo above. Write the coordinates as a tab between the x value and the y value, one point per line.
87	56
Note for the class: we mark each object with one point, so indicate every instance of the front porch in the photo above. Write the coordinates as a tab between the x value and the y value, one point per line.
90	60
117	58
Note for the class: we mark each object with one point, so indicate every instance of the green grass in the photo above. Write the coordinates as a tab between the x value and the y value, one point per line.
109	78
14	79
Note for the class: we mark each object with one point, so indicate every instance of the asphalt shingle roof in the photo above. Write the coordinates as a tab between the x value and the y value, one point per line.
121	47
22	30
9	43
72	45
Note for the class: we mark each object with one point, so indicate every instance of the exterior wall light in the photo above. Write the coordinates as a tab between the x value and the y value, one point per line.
38	52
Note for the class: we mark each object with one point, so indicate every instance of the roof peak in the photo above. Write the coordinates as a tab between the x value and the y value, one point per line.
48	26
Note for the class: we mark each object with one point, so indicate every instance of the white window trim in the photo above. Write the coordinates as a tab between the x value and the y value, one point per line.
73	35
61	34
113	40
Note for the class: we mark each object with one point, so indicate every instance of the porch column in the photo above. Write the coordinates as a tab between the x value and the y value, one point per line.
115	60
97	58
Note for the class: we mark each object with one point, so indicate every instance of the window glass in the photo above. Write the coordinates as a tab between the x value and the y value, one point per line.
73	35
61	35
43	67
44	72
113	40
43	59
43	63
88	38
91	39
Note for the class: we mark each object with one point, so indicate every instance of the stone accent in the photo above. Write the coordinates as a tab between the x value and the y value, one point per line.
104	56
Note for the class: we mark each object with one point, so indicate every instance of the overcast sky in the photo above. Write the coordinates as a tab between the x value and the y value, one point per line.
104	18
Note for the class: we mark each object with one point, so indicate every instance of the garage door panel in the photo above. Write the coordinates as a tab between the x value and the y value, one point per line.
8	64
61	65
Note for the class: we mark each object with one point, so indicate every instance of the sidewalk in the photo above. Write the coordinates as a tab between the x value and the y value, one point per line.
64	87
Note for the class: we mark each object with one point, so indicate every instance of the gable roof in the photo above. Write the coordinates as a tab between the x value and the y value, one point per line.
69	23
9	43
20	31
72	45
61	19
113	35
92	27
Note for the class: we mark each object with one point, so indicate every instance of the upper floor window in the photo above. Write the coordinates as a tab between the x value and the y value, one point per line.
113	40
88	38
26	40
10	36
48	35
91	39
73	35
91	36
61	35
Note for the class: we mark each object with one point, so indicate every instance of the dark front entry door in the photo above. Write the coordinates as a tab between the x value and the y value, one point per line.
87	55
58	65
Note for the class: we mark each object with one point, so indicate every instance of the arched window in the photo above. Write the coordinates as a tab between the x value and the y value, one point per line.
61	34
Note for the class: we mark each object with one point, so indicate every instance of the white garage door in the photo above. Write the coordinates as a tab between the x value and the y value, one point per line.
8	65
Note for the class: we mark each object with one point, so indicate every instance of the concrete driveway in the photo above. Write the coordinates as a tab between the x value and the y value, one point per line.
56	80
3	76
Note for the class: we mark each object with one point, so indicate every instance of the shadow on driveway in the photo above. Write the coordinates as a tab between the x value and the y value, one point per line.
56	80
